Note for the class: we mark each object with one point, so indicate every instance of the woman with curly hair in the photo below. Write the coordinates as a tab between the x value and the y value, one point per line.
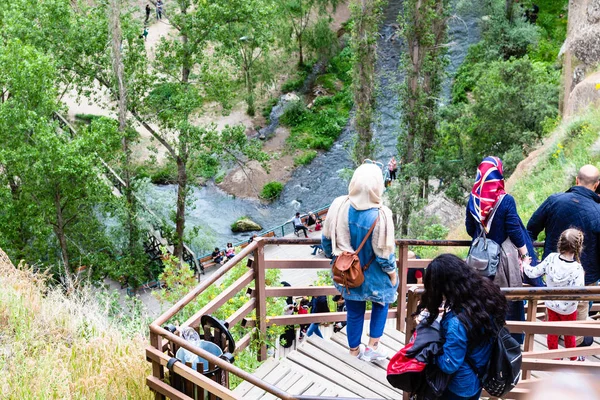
474	311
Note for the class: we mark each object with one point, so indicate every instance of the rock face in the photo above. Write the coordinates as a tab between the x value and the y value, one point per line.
245	225
584	95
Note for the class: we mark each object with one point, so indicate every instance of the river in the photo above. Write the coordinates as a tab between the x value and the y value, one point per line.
315	185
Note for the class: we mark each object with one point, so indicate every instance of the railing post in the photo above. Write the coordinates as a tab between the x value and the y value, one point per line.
402	276
530	337
411	307
261	299
157	369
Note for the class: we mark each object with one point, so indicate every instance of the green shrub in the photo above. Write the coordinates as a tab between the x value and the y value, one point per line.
322	101
305	158
294	83
266	112
271	190
87	118
294	113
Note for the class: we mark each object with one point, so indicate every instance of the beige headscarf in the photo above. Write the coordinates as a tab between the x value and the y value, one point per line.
364	192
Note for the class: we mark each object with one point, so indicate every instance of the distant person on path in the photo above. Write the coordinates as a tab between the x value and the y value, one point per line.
159	9
474	311
492	209
217	256
348	221
148	11
578	207
145	33
393	168
229	251
318	304
562	270
299	225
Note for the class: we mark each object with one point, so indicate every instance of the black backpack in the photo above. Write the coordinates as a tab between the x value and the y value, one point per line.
503	371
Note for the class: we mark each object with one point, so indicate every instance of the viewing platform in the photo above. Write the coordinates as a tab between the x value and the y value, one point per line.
322	368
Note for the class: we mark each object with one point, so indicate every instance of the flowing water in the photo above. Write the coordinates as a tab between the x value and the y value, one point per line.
315	185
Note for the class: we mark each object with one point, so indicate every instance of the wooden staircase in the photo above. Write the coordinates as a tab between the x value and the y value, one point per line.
321	367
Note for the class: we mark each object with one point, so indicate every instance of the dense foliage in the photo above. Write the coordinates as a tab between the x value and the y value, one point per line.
271	190
504	95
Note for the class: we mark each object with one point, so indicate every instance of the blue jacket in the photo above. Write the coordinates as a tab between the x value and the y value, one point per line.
507	223
377	286
464	381
578	207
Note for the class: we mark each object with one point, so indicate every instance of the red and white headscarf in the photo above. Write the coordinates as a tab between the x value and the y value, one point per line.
487	189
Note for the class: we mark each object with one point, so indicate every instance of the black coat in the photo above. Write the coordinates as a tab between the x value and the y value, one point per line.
578	207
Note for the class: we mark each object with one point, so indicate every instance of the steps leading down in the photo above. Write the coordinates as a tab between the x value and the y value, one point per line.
321	367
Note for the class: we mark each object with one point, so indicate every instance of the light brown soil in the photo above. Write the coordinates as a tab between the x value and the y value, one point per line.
247	182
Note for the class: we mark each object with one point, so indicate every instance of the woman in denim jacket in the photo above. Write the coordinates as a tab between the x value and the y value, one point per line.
348	221
474	311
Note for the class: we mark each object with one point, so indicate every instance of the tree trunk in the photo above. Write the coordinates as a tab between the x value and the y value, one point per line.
365	24
118	70
250	92
59	229
300	51
180	216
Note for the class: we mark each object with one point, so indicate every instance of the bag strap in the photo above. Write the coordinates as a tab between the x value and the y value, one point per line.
492	213
367	235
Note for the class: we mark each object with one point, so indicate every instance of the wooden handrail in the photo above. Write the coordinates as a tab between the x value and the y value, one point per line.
260	293
205	284
220	363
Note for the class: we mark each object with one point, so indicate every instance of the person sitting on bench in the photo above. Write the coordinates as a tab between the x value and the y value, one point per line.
298	225
217	256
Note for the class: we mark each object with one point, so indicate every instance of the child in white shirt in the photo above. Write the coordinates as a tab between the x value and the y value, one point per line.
562	269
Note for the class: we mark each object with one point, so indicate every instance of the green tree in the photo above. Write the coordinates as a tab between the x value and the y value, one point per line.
53	177
298	15
509	104
246	35
424	28
366	15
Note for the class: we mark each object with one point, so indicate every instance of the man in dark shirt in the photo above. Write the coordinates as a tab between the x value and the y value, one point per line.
578	207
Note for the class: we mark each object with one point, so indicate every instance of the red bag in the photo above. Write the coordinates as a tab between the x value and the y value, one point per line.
404	372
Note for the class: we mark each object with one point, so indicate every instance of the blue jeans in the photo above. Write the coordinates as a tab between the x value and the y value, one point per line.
314	328
356	320
448	395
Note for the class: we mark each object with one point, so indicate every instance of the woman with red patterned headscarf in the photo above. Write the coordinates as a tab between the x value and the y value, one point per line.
492	209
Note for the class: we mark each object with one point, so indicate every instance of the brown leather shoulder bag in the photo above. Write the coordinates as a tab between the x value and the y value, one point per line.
346	268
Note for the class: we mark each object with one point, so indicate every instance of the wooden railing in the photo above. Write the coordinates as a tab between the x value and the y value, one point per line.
163	342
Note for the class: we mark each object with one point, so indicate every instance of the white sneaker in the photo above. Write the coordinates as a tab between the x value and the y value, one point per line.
370	355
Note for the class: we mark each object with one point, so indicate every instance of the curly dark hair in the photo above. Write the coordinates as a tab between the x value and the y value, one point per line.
476	300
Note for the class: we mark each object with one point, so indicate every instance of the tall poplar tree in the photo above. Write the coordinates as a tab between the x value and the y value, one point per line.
366	15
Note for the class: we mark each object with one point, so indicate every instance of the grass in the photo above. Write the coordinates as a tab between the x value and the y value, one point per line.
55	345
556	170
305	158
318	127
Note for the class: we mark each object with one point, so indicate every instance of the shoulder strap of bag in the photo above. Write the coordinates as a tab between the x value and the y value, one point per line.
492	213
367	235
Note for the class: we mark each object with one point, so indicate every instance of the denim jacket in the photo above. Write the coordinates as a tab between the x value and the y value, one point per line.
464	381
377	286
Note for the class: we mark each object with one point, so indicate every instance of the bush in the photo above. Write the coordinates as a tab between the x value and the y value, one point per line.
272	102
271	190
294	113
305	158
294	83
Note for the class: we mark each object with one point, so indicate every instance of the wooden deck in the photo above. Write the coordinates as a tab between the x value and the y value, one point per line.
322	367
